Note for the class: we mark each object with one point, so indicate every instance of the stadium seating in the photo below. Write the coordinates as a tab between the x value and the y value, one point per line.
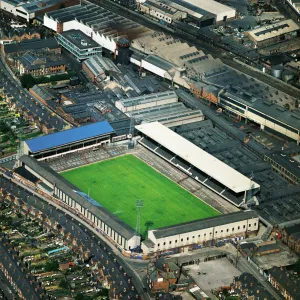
181	163
215	185
165	153
148	143
237	199
200	175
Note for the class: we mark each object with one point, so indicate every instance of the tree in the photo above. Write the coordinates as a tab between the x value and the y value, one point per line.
51	266
225	292
148	224
64	284
27	81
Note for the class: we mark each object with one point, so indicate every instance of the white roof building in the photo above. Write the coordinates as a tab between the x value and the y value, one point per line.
220	10
197	157
273	30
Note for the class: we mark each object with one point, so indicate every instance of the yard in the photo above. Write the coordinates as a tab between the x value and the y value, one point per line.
117	183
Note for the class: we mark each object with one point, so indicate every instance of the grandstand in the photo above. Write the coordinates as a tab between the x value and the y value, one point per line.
197	163
72	140
278	200
118	232
207	232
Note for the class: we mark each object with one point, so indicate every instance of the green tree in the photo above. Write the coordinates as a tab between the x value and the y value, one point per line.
27	81
64	284
51	266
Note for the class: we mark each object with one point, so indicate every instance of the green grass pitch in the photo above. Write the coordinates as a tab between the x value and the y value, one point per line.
117	183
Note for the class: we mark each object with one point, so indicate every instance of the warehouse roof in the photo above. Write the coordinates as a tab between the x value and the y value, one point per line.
273	30
148	98
98	65
159	62
72	191
204	223
33	44
199	158
266	107
69	136
211	6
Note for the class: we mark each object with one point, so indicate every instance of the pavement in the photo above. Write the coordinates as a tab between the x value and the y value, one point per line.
213	274
242	264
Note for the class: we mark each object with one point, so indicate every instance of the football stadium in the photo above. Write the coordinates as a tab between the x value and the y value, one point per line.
117	183
144	198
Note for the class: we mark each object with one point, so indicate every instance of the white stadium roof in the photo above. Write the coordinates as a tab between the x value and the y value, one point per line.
197	157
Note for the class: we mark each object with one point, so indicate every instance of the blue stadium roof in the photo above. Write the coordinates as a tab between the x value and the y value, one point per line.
69	136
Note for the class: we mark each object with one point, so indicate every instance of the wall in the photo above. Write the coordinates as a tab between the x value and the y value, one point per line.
201	236
159	15
154	69
230	14
272	125
49	23
88	72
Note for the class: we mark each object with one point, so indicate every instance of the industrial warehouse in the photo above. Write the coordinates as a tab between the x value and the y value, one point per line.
203	12
181	64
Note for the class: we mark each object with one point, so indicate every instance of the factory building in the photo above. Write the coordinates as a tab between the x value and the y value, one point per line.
79	44
273	33
268	115
98	67
68	141
170	115
202	12
162	11
103	26
206	232
116	231
146	101
31	9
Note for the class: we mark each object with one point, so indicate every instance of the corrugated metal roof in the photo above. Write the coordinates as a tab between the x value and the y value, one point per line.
199	158
69	136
